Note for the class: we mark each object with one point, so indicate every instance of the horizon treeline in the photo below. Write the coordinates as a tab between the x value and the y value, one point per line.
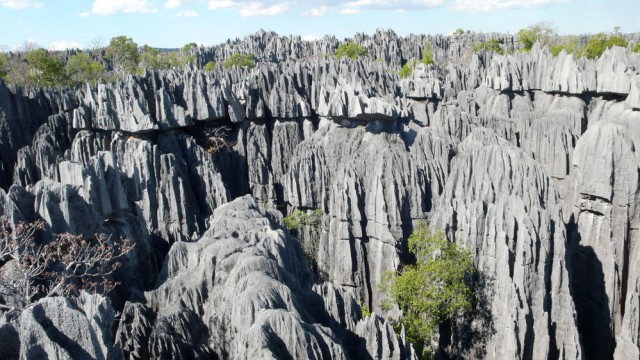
32	66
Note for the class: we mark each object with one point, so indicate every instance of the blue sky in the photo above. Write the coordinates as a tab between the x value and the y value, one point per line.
173	23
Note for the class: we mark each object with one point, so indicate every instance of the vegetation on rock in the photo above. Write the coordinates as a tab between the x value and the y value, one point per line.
434	290
489	45
30	269
537	33
351	50
601	42
243	60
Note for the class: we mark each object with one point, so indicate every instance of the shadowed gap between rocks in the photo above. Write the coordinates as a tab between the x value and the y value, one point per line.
587	287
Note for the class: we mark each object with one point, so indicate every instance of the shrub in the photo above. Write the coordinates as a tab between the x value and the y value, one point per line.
427	54
538	33
458	32
46	69
244	60
299	221
351	50
123	54
210	66
636	48
81	68
3	67
601	42
432	291
30	270
406	70
490	45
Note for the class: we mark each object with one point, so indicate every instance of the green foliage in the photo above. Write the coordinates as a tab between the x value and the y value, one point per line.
3	66
299	218
151	58
364	308
433	290
601	42
189	46
458	32
210	66
351	50
538	33
406	70
489	45
244	60
46	69
427	54
299	221
81	68
636	48
123	54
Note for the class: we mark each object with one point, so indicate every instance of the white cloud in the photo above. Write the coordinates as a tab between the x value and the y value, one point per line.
187	13
84	14
321	11
172	4
310	38
251	8
63	45
108	7
21	4
349	11
487	5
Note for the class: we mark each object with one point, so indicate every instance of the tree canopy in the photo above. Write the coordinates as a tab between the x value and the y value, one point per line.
46	69
351	50
601	42
537	33
489	45
433	290
244	60
81	68
123	54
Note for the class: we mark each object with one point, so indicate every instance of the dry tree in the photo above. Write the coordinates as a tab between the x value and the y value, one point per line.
30	270
217	138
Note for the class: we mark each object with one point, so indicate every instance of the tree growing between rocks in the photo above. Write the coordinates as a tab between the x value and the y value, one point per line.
351	50
601	42
537	33
31	270
81	68
303	225
123	54
243	60
46	69
432	291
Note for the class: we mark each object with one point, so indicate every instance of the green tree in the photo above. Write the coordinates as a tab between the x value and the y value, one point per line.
489	45
305	226
244	60
434	290
427	54
3	67
123	54
45	69
636	48
601	42
538	33
81	68
151	58
406	70
210	66
569	44
351	50
458	32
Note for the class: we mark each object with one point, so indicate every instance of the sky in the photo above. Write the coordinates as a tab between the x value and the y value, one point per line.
59	24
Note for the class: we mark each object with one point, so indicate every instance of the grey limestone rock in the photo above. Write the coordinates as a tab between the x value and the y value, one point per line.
605	182
59	328
500	204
